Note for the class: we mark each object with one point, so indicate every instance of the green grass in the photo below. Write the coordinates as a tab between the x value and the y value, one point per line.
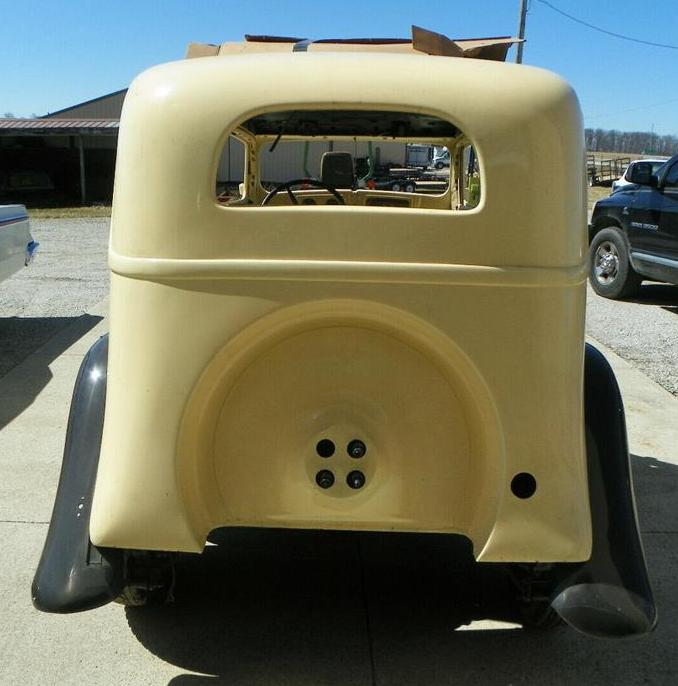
69	212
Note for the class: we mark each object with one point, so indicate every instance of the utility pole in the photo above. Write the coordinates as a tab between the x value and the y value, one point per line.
521	30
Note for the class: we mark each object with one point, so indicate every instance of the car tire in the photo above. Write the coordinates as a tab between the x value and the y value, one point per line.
610	271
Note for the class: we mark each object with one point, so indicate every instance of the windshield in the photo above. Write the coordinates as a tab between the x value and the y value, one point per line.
656	166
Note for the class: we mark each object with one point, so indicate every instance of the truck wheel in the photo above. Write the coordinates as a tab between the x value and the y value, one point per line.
439	165
409	187
395	186
610	272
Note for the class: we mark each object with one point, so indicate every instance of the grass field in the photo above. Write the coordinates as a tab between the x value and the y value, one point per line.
596	193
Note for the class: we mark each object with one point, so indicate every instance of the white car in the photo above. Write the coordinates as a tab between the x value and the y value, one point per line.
441	159
17	246
623	181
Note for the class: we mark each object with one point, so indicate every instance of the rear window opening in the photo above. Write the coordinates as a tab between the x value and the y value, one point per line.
348	157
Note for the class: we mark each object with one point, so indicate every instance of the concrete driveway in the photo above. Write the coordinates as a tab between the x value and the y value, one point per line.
307	608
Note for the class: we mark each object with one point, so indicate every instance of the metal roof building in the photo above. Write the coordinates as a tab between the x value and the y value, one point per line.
66	157
104	107
34	127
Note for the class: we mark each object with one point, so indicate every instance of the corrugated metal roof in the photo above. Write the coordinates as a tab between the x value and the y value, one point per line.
55	124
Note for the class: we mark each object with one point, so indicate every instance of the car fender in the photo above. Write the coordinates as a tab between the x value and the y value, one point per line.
610	594
73	574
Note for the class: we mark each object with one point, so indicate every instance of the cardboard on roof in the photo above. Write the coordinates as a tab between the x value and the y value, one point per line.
422	41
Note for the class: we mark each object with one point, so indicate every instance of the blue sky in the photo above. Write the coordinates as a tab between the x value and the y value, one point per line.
56	54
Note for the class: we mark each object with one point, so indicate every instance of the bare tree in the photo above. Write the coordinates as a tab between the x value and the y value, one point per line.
630	142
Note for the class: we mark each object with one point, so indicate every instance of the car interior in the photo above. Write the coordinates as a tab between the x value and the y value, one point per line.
346	158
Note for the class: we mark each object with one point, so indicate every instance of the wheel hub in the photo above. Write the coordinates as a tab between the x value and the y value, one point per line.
606	263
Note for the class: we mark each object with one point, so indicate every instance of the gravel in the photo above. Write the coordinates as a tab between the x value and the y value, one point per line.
643	331
70	275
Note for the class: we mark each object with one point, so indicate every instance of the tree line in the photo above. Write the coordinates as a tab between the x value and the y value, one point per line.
635	142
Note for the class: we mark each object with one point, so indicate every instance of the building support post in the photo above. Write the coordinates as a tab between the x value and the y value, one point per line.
83	185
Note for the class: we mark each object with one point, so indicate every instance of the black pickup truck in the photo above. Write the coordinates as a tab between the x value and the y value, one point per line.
633	233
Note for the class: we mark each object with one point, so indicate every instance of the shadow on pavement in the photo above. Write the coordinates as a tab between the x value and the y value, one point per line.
21	337
664	295
280	607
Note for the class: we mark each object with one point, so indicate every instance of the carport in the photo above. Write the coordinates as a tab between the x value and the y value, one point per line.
57	161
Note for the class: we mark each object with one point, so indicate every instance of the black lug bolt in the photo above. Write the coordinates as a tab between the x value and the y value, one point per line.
356	449
324	478
325	448
355	479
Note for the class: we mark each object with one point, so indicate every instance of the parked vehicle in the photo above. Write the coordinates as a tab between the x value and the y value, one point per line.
441	159
331	357
17	246
603	171
633	233
418	156
623	180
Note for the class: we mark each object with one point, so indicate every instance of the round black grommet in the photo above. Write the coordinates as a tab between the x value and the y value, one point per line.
355	480
523	485
325	448
324	478
356	449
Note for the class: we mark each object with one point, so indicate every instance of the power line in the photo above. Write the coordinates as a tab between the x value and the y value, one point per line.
632	109
609	33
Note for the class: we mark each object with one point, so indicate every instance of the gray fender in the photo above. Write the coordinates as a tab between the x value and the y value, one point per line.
610	594
73	574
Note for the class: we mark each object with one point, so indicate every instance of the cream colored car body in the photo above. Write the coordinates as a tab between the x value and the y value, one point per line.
451	342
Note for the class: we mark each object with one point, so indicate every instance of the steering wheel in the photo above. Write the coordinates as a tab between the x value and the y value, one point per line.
288	185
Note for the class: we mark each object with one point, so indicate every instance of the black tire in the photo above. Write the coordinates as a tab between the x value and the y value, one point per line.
610	271
410	187
439	165
396	186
